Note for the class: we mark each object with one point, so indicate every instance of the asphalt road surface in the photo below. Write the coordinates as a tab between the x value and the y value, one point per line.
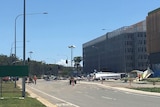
62	94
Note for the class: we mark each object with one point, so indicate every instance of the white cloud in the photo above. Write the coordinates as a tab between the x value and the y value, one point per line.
63	62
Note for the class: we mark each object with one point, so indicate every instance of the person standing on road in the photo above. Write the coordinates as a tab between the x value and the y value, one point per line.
35	79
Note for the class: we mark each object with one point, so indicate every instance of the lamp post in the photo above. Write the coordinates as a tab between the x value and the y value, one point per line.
24	45
30	53
71	47
15	27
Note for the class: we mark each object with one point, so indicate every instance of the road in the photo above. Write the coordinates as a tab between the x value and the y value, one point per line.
62	94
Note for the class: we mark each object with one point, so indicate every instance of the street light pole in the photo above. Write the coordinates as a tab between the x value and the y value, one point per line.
24	46
24	40
71	47
15	33
15	38
30	53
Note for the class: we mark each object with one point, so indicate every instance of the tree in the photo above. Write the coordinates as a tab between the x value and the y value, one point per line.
77	61
36	67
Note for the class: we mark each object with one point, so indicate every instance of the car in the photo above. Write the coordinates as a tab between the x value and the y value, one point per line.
7	78
14	78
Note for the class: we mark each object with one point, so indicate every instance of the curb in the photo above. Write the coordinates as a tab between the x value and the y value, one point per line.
42	100
125	89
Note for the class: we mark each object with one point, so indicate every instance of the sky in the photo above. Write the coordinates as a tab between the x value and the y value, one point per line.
68	22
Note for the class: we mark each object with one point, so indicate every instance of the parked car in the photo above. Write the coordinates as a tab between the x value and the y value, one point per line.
14	78
6	78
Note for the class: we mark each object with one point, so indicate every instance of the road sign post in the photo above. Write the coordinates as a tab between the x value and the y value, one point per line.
14	71
20	71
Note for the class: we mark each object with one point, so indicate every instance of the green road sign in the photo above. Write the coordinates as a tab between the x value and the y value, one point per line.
13	71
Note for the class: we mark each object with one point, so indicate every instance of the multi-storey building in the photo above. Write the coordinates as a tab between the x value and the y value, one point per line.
153	40
121	50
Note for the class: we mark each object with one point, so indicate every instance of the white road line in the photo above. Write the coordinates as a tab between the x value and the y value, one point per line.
142	95
89	96
108	98
54	97
80	92
62	104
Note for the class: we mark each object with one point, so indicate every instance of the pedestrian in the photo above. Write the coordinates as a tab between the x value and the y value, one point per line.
35	79
139	77
70	80
30	80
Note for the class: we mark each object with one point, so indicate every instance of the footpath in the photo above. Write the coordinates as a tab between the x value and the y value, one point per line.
127	86
39	98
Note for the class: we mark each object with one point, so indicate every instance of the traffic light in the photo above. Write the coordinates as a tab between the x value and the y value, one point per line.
28	59
66	61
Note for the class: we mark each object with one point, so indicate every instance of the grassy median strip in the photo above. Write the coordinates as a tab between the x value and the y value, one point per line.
154	89
11	97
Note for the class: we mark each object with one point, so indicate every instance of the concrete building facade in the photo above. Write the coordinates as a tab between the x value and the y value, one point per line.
153	40
121	50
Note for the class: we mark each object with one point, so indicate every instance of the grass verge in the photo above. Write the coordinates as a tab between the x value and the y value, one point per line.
10	97
154	89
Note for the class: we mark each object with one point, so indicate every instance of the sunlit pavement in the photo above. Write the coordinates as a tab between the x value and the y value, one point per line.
113	84
120	83
125	86
42	100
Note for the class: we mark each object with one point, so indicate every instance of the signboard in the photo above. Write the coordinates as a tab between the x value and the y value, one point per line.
15	70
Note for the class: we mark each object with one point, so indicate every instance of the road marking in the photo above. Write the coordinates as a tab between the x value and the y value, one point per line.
68	103
142	95
108	98
115	91
62	104
89	96
80	92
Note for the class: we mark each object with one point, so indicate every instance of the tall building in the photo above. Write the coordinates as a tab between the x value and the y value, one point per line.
121	50
153	40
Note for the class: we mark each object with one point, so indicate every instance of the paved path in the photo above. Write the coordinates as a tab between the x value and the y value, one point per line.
33	95
119	85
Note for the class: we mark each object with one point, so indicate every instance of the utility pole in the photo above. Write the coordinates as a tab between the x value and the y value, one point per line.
24	47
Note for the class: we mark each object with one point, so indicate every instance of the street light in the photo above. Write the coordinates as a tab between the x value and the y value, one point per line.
30	53
24	45
15	42
71	47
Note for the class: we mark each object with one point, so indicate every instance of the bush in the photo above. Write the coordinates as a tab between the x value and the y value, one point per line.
153	80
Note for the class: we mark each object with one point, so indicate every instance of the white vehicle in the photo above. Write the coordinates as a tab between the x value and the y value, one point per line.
107	75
